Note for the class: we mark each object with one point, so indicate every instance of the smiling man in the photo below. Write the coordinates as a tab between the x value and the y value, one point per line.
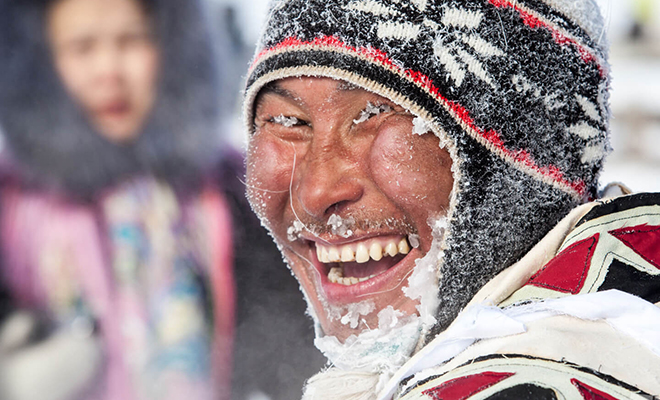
411	159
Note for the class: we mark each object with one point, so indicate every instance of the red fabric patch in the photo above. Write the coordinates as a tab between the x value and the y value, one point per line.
643	240
589	393
464	387
568	270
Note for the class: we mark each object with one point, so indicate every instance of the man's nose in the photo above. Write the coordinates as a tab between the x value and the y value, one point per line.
328	180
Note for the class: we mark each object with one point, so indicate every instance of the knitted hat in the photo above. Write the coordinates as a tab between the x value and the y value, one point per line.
517	89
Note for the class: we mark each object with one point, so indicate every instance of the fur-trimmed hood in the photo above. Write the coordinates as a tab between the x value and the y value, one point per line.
51	142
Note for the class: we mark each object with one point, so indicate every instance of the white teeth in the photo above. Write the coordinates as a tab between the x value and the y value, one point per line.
336	275
347	254
376	251
333	254
403	246
391	249
361	254
358	252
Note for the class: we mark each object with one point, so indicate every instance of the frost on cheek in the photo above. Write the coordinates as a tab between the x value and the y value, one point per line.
420	127
423	282
341	226
285	121
370	111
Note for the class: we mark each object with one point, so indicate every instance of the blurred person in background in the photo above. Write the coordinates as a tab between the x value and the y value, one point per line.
115	203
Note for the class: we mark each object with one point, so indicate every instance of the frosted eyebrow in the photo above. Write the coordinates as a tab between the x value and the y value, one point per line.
274	88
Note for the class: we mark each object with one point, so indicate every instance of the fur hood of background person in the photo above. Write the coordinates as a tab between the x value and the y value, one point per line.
52	144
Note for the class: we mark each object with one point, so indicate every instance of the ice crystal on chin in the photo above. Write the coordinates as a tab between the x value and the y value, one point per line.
341	226
420	127
285	121
293	232
370	111
381	350
355	310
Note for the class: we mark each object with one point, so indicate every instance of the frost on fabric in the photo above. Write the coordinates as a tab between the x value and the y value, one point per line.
341	226
293	232
370	111
285	121
420	126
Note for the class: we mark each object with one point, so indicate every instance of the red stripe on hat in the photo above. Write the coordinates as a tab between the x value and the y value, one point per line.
460	113
562	38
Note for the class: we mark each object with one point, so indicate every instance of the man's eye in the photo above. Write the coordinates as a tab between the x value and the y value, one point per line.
370	111
287	121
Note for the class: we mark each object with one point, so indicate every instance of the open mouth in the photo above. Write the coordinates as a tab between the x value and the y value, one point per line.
356	262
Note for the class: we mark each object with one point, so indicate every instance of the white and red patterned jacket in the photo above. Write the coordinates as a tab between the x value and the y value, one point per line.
576	318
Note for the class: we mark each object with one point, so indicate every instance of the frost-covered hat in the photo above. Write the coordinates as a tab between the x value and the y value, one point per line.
517	89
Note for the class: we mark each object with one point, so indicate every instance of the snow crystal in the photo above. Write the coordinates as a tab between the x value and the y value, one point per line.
285	121
370	111
355	310
420	126
388	318
341	226
378	350
293	232
423	282
413	239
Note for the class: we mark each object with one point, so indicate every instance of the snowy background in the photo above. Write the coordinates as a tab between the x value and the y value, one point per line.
633	28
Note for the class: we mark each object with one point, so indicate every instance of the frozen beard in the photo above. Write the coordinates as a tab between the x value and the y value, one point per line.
382	350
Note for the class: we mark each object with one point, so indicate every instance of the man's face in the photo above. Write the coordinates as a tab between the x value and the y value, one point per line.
106	57
325	152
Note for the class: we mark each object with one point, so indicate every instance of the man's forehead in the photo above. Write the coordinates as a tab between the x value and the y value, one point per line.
279	87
